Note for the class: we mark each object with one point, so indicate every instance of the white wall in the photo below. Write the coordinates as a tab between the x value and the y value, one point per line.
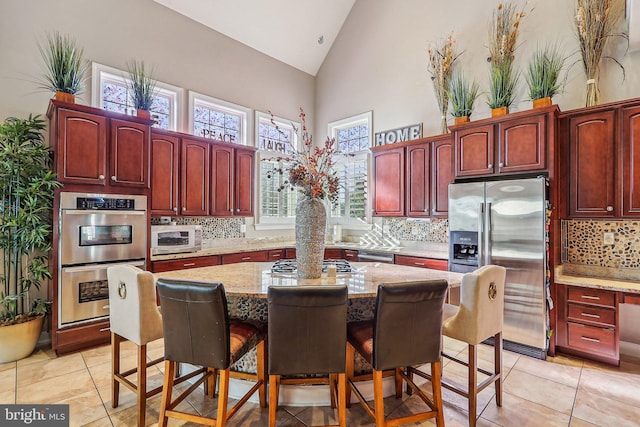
183	53
379	61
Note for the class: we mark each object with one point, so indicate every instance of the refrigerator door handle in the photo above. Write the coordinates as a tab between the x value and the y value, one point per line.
480	234
487	235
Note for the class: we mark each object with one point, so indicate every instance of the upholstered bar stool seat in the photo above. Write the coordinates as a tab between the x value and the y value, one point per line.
198	331
406	331
478	318
307	337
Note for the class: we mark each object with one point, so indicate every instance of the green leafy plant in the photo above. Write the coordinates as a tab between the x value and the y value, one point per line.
544	70
502	85
462	95
65	65
27	187
142	85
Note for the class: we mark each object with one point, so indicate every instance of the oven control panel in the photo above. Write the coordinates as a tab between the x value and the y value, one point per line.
105	203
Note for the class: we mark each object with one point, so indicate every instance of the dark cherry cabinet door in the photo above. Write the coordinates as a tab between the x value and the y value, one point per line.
244	181
81	144
522	144
164	174
129	154
441	176
388	182
194	178
474	150
592	165
418	180
221	180
631	161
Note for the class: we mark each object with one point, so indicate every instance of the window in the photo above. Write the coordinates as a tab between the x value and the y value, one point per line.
217	119
353	139
277	202
111	92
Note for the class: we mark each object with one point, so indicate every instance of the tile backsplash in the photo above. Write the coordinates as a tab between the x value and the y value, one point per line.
215	227
436	230
583	243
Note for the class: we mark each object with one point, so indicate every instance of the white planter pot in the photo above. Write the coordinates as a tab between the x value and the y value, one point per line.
19	341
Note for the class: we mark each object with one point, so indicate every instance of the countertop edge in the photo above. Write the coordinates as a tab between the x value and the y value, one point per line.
598	283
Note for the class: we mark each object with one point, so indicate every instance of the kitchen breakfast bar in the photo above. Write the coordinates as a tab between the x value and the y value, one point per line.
246	286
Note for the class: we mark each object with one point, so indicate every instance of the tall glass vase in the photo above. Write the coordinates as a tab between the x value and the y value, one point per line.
311	222
593	95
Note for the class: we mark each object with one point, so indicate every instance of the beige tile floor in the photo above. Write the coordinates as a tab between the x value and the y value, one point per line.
558	392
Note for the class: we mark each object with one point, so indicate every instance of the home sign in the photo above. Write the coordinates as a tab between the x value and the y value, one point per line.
402	134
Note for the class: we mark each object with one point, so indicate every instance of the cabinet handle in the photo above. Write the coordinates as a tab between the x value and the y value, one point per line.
590	339
594	316
609	208
189	264
275	256
419	263
590	297
113	177
246	258
100	176
490	165
184	209
238	210
501	164
104	329
175	209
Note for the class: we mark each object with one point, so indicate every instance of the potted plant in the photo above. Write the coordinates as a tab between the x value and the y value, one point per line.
142	87
65	66
502	88
542	74
27	186
462	96
442	57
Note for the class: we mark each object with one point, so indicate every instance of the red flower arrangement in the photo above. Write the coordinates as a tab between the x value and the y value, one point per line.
309	168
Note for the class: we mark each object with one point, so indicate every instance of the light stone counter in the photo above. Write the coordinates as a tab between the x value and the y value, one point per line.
571	275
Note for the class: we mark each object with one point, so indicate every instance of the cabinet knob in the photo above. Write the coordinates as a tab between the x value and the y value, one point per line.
238	210
175	209
501	164
609	208
100	176
490	165
113	178
184	209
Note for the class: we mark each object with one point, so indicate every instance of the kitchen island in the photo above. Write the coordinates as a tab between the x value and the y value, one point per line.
246	286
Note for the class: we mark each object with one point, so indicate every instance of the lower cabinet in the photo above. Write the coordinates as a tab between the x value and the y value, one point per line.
587	323
414	261
256	256
80	337
184	263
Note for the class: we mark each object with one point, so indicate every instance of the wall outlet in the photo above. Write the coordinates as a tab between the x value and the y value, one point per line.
608	238
243	228
415	230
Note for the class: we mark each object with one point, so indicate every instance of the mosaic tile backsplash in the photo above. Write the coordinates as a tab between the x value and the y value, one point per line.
215	227
583	243
404	229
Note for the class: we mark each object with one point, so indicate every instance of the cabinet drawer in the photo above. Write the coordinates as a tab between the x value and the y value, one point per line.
594	315
351	255
276	254
181	264
434	264
257	256
333	253
592	339
592	296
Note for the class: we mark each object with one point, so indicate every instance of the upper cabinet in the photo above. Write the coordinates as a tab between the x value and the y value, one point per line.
603	152
232	183
194	177
95	147
165	154
515	143
411	179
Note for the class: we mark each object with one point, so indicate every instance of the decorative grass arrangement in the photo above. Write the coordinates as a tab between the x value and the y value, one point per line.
595	22
142	85
544	71
503	37
462	95
442	56
65	65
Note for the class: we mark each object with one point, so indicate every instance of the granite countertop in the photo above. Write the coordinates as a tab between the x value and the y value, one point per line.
614	279
252	279
228	246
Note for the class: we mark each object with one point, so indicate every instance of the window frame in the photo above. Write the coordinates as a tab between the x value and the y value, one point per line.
246	122
332	130
265	222
174	93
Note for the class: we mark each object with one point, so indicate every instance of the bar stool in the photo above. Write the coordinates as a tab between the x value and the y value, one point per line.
307	336
133	316
406	331
197	330
479	317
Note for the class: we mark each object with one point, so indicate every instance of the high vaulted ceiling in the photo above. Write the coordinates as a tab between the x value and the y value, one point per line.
296	32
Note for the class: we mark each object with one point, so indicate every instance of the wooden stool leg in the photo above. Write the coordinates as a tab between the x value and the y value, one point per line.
342	400
473	385
141	389
273	398
223	398
497	360
115	369
210	383
261	371
436	386
398	381
378	398
169	377
349	371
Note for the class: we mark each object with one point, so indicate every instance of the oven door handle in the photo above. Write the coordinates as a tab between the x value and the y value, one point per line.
101	212
94	267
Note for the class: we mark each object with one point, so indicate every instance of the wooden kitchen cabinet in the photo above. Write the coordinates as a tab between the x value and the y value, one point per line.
276	254
587	323
351	255
474	148
244	181
255	256
414	261
631	161
165	150
129	153
184	263
194	177
418	180
221	180
388	181
441	175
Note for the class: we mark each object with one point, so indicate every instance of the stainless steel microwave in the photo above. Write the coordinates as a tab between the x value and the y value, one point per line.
173	239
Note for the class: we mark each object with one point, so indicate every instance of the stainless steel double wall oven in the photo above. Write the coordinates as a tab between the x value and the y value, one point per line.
96	231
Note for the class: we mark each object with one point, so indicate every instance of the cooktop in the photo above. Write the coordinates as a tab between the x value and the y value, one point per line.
291	265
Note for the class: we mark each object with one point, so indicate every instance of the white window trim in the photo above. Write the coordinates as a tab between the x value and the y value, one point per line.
247	123
270	223
175	92
332	131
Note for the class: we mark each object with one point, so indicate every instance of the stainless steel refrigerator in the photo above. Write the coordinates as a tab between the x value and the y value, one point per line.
504	223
